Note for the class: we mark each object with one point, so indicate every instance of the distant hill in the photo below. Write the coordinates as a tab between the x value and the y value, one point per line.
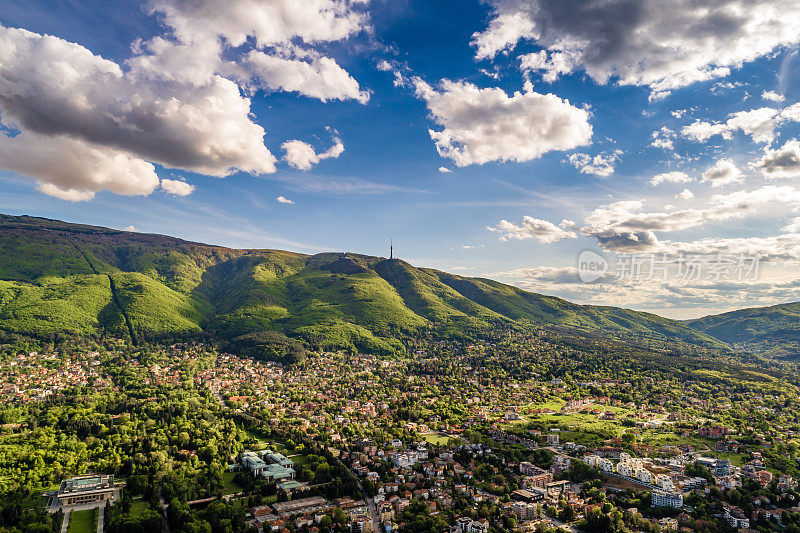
57	277
771	330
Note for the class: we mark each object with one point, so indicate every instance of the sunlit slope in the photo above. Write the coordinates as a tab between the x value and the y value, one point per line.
772	330
85	279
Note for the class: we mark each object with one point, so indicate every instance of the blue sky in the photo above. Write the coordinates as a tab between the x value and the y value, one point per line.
549	128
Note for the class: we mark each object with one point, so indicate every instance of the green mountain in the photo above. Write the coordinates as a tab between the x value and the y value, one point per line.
771	330
62	278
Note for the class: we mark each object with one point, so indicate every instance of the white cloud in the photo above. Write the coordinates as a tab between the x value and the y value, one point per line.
600	165
75	170
177	187
784	247
302	156
783	162
270	23
670	177
664	138
534	228
60	90
553	65
664	45
793	226
772	96
624	226
320	78
759	124
483	125
444	170
283	200
178	100
267	45
686	194
543	274
724	172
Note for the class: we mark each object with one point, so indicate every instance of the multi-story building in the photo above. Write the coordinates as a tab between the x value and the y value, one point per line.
736	518
84	489
667	499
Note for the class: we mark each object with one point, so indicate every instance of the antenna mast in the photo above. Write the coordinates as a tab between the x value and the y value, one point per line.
391	249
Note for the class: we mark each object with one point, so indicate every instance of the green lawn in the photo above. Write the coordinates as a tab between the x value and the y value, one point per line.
83	521
139	506
228	485
437	439
299	459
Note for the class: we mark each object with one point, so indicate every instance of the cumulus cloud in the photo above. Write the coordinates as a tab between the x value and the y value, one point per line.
483	125
283	200
178	100
759	124
686	194
663	45
793	226
269	23
600	165
664	138
302	156
320	78
783	162
177	187
738	288
444	170
543	274
63	93
624	226
534	228
670	177
772	96
265	45
73	169
724	172
785	247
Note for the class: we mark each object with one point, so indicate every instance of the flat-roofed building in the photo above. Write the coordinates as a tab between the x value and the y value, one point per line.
313	504
276	458
85	489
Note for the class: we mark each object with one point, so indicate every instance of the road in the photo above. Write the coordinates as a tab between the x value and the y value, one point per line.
163	509
373	512
101	518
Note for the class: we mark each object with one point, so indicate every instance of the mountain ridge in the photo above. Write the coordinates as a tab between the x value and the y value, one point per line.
58	277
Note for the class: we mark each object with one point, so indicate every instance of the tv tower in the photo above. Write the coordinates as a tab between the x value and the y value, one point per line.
391	249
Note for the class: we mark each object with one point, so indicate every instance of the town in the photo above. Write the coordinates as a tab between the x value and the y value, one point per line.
470	437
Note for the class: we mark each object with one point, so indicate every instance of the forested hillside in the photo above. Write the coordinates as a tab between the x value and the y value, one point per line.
57	277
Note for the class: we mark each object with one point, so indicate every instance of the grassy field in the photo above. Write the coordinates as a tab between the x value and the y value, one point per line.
139	506
229	486
586	428
437	439
83	521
